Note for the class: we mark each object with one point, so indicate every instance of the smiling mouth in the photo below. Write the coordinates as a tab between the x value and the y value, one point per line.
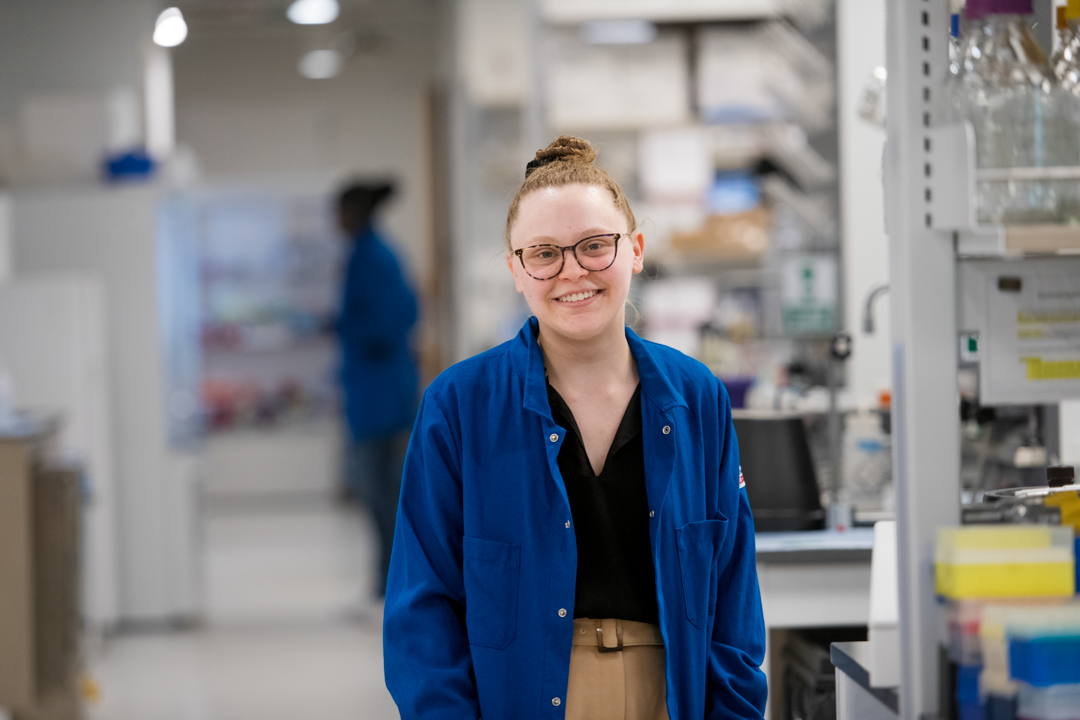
577	297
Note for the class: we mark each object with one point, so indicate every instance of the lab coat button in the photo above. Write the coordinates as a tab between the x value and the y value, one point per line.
554	437
562	612
667	429
652	513
556	702
567	524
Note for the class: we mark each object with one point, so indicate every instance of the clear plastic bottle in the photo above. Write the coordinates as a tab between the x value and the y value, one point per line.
1066	58
1006	89
1065	63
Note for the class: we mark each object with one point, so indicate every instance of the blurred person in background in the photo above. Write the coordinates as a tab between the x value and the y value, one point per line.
379	374
575	538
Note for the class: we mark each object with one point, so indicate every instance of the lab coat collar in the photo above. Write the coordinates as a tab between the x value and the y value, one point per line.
529	361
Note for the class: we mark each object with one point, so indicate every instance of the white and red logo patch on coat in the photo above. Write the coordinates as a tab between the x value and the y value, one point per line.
742	482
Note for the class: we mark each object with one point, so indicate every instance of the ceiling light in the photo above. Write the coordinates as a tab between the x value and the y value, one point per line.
618	32
320	64
170	28
313	12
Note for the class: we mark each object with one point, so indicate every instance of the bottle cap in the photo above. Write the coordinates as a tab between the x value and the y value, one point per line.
1061	17
954	25
1007	7
1072	10
1060	475
973	9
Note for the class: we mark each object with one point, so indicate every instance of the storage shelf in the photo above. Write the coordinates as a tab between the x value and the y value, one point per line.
1013	240
578	11
675	263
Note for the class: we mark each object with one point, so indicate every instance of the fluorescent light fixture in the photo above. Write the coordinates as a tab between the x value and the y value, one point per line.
321	64
170	28
313	12
618	32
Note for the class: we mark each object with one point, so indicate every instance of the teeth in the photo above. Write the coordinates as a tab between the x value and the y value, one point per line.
577	296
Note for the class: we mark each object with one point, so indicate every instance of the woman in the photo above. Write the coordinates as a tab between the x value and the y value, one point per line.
573	540
378	374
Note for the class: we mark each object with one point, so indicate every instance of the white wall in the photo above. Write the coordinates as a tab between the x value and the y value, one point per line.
861	47
110	234
77	51
249	116
71	45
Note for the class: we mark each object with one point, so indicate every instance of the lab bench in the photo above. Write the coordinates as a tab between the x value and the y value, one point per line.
813	578
855	697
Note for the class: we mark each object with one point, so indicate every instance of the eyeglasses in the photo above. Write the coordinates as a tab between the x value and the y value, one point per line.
594	254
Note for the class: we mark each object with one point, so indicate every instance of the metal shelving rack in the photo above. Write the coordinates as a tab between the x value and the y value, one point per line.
922	259
930	219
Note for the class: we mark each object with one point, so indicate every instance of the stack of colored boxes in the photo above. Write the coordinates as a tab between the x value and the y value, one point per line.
977	569
1031	659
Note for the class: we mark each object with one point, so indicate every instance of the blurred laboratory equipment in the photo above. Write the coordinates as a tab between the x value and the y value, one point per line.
1022	118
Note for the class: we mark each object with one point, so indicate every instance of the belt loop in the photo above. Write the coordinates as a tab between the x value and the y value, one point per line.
600	646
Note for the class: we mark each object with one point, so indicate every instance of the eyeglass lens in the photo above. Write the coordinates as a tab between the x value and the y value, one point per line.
593	253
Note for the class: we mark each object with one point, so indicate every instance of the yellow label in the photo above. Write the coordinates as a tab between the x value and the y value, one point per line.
1039	369
966	582
1047	317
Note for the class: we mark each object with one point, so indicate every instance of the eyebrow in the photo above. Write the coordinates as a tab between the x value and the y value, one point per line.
547	240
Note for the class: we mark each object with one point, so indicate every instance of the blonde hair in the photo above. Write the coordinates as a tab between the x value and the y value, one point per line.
567	161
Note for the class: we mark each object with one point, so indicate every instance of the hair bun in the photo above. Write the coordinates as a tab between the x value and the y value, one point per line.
568	149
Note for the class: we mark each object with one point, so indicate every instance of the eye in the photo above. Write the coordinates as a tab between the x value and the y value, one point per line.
544	254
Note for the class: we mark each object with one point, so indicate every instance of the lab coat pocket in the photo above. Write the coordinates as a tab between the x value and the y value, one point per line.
699	547
492	572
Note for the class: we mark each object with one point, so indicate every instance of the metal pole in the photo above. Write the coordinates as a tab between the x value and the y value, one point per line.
926	435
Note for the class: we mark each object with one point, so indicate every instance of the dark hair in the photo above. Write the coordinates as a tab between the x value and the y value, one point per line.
566	161
359	201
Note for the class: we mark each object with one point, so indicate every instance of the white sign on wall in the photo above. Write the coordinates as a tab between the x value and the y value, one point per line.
809	294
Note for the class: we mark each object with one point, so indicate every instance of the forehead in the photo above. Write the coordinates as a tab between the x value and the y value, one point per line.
564	213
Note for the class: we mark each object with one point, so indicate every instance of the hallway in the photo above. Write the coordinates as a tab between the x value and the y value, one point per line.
284	634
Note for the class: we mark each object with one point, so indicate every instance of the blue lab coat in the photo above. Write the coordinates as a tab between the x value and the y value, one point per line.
378	311
485	557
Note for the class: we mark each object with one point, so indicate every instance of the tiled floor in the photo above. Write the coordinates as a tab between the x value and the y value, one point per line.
284	634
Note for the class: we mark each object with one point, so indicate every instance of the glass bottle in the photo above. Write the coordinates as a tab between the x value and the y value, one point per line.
1008	92
1065	63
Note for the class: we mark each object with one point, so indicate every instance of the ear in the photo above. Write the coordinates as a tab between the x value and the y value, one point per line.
513	268
637	242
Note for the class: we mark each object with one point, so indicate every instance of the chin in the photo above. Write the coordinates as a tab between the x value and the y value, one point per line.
580	327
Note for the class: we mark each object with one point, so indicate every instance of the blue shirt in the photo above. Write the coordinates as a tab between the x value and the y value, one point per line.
378	311
485	559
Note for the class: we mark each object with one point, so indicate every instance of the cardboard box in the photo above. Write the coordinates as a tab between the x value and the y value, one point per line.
39	583
739	236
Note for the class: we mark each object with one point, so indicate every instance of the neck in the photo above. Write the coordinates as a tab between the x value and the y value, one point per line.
597	361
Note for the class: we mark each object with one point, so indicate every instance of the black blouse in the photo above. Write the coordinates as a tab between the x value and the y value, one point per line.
615	576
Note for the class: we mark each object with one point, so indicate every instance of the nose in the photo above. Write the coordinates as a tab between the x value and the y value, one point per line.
571	269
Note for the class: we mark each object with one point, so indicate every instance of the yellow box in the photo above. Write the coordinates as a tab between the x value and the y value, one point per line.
1005	561
1005	580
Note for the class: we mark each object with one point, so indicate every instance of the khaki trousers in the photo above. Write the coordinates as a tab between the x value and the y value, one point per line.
616	684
